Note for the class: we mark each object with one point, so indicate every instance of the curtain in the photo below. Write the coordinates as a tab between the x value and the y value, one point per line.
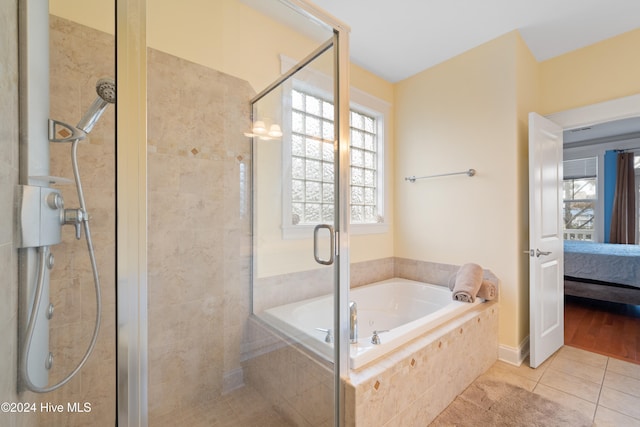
623	216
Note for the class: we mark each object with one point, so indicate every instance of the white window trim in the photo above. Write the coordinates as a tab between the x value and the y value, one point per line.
319	84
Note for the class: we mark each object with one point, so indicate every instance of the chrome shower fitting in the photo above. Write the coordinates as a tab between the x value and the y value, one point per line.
79	218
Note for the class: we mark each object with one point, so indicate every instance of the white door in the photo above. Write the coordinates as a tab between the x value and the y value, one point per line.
546	256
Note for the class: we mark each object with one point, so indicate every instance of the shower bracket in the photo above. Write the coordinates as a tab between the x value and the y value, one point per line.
69	133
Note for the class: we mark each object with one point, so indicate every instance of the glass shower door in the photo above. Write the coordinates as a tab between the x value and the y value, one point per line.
292	335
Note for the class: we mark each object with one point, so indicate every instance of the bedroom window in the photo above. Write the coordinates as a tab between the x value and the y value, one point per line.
580	198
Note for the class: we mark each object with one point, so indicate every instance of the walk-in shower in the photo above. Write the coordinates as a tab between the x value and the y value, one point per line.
42	214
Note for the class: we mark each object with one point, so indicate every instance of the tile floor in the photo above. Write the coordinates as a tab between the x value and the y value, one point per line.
601	387
605	389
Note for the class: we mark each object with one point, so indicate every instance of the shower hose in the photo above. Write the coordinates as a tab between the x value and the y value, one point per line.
42	260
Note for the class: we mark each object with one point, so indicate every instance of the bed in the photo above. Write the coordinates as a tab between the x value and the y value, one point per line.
602	271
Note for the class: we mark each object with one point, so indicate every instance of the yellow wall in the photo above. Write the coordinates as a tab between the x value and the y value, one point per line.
457	115
600	72
471	111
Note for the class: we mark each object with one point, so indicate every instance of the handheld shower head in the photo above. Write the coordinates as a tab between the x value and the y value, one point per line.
106	89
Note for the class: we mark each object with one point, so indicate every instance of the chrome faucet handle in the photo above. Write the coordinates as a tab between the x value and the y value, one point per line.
375	338
353	322
329	337
75	217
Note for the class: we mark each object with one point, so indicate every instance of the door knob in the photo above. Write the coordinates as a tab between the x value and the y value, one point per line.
539	252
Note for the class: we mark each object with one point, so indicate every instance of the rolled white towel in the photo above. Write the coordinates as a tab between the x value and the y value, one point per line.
467	283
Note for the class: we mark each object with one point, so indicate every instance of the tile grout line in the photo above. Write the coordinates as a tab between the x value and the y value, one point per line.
604	375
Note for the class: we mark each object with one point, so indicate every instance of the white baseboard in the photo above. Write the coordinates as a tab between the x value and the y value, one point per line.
514	356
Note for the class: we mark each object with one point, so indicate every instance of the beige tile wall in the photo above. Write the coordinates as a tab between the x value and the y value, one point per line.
79	56
199	233
8	181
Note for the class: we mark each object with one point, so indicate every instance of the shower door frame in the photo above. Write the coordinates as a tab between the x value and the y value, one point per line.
131	205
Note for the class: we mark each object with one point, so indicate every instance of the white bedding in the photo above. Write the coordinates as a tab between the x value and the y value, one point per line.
605	262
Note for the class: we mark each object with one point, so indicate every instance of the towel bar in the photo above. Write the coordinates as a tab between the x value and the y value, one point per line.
469	172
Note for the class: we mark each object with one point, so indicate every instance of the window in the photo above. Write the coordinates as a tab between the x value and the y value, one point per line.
312	164
580	198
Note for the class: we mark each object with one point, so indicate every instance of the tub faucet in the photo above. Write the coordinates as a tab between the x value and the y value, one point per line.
353	322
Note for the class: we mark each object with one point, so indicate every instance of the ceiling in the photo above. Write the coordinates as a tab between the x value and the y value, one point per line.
397	39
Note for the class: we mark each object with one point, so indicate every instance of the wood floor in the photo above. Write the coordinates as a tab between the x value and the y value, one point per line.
602	327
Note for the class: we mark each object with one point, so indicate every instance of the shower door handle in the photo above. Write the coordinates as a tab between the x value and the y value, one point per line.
331	244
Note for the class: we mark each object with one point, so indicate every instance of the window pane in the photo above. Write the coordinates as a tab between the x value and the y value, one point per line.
327	152
297	145
357	176
369	124
369	142
297	190
327	192
314	170
357	139
369	178
357	121
327	110
297	121
369	160
579	220
327	172
357	195
297	168
312	191
313	126
313	148
357	213
327	213
297	100
327	130
313	105
357	157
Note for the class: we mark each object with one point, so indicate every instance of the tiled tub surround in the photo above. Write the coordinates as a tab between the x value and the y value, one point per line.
409	386
274	291
412	385
402	309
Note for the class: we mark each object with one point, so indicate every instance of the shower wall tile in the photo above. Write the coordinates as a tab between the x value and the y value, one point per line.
79	56
199	232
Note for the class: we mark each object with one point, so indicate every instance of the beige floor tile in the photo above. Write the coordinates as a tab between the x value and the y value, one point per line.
608	418
620	402
576	386
566	399
624	368
622	383
504	372
578	369
583	356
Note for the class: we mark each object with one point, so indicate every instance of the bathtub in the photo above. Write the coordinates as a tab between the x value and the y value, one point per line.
406	308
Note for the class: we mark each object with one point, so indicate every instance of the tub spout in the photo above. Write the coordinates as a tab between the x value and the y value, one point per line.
353	322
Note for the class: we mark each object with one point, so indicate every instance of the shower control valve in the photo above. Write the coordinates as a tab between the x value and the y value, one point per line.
75	217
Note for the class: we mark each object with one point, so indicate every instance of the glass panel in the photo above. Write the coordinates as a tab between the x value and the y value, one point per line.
294	190
218	263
